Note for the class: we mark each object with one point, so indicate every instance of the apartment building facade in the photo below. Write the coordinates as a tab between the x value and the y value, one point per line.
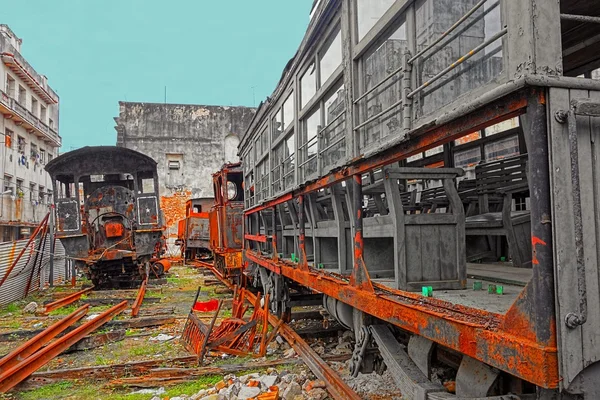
29	128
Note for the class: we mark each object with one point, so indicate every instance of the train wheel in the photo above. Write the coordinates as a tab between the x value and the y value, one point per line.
159	269
279	295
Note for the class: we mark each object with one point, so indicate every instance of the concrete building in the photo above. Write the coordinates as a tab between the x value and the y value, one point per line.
29	125
189	142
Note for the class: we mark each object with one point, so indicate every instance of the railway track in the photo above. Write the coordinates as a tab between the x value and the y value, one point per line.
336	387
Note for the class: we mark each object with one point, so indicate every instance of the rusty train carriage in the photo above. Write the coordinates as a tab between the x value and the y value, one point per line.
388	103
226	220
193	232
107	212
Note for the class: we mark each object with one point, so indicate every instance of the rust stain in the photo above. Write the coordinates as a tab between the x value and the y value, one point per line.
534	242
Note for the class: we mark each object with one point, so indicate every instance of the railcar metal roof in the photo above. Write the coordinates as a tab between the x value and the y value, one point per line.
99	160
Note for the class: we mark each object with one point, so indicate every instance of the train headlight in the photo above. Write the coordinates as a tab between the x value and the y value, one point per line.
231	190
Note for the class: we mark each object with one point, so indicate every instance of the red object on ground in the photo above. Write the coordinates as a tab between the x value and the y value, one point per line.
210	305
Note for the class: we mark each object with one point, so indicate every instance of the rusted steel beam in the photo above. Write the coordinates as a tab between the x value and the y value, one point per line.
19	372
476	333
429	137
65	301
335	385
170	376
135	308
113	371
256	238
34	344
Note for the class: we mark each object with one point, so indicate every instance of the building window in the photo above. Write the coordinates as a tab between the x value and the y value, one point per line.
50	157
10	86
34	106
8	136
368	13
21	143
34	152
331	58
22	96
308	85
43	113
174	165
8	185
41	194
20	192
32	191
51	123
42	156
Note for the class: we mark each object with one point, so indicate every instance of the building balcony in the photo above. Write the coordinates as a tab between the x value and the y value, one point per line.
23	117
20	67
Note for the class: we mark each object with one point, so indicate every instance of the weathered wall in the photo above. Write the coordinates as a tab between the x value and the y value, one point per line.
199	139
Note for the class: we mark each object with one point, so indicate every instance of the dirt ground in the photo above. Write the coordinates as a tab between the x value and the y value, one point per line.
172	298
176	297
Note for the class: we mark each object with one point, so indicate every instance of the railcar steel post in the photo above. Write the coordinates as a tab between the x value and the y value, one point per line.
360	276
302	232
541	221
274	234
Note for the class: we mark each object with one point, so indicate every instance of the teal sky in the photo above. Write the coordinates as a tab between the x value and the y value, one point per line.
99	52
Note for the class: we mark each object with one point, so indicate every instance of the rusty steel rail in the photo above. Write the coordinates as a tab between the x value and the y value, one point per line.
137	304
37	342
13	376
65	301
335	385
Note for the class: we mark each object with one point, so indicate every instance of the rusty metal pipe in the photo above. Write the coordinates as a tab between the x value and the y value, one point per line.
37	342
13	376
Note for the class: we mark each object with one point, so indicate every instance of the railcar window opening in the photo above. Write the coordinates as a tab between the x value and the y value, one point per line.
147	185
381	84
368	12
308	85
236	179
330	57
482	68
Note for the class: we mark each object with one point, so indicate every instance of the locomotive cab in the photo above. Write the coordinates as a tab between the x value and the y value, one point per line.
226	219
107	212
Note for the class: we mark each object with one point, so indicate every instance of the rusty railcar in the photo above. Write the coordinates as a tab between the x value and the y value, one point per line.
431	167
193	233
107	212
226	219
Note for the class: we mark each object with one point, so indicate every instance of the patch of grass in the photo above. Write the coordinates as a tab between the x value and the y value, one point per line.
11	324
51	391
65	310
150	349
231	361
101	361
193	387
130	332
128	396
99	309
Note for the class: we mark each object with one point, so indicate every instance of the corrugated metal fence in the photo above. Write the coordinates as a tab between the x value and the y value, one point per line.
32	270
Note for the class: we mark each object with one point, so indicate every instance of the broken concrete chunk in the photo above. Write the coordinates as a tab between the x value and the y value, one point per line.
266	381
248	392
30	308
292	391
